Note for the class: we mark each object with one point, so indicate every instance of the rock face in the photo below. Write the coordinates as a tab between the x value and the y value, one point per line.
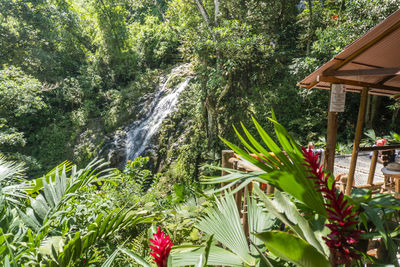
140	136
116	150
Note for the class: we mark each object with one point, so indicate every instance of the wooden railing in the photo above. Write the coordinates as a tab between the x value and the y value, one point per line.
374	159
230	161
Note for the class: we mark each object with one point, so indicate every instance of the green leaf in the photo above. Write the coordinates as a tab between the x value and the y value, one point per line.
110	259
204	256
258	220
378	222
134	256
288	173
295	186
294	216
224	223
217	257
293	249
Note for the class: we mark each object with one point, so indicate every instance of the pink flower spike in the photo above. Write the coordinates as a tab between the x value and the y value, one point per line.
161	248
341	216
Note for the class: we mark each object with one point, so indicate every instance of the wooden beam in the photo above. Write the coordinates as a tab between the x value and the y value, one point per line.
357	139
270	189
363	72
365	64
311	85
379	92
371	186
243	165
329	79
381	148
238	200
331	141
386	79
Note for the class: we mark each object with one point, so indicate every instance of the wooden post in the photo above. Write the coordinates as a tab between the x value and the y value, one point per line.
331	141
270	189
357	139
372	167
238	200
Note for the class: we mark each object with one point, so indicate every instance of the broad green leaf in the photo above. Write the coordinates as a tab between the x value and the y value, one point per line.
243	154
57	242
293	249
295	217
297	188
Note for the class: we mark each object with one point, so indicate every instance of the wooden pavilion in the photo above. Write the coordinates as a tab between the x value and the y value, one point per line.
370	65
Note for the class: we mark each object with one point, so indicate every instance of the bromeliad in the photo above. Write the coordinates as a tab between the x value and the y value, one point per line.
341	216
160	248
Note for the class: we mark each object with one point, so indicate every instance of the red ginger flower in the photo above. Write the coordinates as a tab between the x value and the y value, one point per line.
162	247
343	236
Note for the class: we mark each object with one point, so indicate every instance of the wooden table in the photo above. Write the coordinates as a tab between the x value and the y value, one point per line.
389	177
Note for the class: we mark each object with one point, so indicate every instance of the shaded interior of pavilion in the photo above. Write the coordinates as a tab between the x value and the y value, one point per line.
368	66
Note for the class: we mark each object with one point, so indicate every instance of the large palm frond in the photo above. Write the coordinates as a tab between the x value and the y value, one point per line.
224	223
78	247
57	188
44	215
12	182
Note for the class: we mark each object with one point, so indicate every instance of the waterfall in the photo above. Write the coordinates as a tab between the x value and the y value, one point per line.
141	132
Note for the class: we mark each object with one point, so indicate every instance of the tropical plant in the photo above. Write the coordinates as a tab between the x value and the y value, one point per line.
296	172
12	180
135	175
37	222
223	222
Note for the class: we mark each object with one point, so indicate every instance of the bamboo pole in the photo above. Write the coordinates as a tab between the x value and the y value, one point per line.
372	167
357	139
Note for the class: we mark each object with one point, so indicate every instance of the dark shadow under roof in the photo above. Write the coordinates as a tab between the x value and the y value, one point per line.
371	61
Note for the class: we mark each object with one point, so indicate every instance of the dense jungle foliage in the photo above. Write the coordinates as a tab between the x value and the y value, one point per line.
72	72
75	73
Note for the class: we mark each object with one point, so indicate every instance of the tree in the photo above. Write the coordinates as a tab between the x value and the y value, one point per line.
20	100
233	44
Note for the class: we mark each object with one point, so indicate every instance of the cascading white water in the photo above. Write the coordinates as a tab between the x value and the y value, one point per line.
141	132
